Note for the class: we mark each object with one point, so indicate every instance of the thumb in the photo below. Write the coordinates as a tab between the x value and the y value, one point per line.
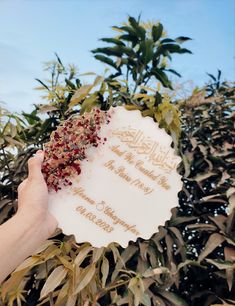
35	165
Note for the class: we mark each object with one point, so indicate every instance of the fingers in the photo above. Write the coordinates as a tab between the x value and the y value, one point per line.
35	165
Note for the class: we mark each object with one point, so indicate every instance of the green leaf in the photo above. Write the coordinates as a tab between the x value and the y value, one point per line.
97	253
115	251
136	286
157	32
63	294
167	40
130	38
80	94
125	256
59	60
70	84
53	281
67	264
128	51
162	77
45	108
85	278
184	50
104	270
140	31
158	98
110	51
87	73
98	80
44	246
133	22
129	30
118	29
188	263
202	227
43	84
170	48
145	300
177	234
174	72
32	118
106	60
114	51
11	283
29	263
211	76
146	47
82	254
182	39
213	242
113	40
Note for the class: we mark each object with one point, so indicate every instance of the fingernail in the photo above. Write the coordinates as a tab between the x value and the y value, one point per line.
39	152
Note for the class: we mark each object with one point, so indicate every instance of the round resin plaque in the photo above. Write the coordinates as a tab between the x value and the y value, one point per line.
123	183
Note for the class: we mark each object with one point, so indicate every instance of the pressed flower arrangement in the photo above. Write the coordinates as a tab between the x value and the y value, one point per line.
68	144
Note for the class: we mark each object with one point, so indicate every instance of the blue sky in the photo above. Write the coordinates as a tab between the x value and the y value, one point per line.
31	31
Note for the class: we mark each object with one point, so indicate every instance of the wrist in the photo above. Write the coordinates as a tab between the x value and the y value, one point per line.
42	223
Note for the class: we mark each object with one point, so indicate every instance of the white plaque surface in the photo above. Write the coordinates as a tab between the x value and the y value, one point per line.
127	186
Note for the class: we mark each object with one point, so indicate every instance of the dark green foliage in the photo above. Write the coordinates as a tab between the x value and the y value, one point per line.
191	259
215	86
207	147
140	53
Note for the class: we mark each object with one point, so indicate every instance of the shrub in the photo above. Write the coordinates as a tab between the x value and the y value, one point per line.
190	260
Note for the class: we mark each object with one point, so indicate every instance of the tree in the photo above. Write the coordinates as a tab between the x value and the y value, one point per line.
191	259
141	52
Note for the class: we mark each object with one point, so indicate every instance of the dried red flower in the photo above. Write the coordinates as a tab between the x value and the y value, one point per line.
67	147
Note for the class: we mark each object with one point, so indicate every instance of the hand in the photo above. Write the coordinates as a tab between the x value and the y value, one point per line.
33	196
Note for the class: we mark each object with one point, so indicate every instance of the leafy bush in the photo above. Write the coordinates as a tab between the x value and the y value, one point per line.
191	259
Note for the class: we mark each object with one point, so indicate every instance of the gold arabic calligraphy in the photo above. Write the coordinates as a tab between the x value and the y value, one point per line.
157	154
